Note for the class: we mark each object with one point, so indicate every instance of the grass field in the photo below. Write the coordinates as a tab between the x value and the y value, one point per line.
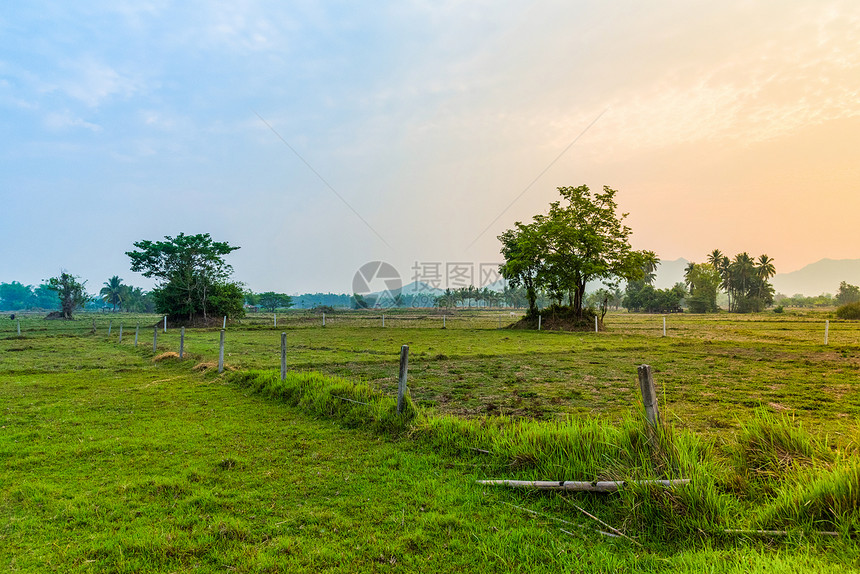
115	462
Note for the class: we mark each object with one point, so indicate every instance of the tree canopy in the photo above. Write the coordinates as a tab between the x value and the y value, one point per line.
582	238
193	276
71	292
273	301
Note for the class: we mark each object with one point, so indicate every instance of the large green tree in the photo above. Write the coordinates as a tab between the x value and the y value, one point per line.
15	295
847	293
273	301
72	293
193	275
703	281
581	239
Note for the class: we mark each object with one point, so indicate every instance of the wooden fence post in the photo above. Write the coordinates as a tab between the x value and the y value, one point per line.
649	395
221	353
155	338
181	342
826	331
283	356
401	385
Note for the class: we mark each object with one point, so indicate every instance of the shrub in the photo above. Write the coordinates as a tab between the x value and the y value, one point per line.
849	311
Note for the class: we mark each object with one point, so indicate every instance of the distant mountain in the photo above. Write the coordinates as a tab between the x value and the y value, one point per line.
669	273
820	277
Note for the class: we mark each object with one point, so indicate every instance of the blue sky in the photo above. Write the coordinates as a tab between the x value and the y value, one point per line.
730	126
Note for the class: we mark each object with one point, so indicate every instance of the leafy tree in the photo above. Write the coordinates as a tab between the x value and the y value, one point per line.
580	239
641	296
192	274
72	293
14	296
523	251
703	281
114	292
847	294
45	298
273	301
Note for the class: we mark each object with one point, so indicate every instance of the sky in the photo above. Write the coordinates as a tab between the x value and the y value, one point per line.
320	136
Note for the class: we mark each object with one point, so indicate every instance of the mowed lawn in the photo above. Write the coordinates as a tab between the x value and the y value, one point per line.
113	462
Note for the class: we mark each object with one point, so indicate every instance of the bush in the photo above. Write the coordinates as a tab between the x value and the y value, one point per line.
849	311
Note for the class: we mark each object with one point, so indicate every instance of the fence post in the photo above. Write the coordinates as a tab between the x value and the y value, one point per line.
664	326
120	333
649	395
826	331
539	320
19	327
401	385
136	333
165	323
224	324
221	353
181	342
596	330
155	338
110	326
323	318
283	356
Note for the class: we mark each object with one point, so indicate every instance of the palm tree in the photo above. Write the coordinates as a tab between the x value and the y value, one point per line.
689	271
765	268
113	292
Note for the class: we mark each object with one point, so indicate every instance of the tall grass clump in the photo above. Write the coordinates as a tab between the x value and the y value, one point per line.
769	447
819	500
355	404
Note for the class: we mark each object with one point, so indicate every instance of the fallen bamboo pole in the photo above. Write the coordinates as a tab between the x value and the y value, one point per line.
780	532
583	486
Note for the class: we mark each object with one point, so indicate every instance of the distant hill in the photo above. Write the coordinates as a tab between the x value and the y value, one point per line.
670	272
820	277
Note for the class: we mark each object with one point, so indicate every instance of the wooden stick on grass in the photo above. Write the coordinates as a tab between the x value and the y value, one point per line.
613	529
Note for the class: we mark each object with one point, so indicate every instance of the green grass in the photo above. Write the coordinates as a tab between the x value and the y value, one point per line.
113	462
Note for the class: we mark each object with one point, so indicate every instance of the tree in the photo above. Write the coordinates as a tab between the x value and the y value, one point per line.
272	301
114	292
523	253
72	293
580	239
704	282
847	294
192	274
14	296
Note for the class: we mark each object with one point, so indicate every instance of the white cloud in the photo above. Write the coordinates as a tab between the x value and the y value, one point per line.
65	120
93	82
